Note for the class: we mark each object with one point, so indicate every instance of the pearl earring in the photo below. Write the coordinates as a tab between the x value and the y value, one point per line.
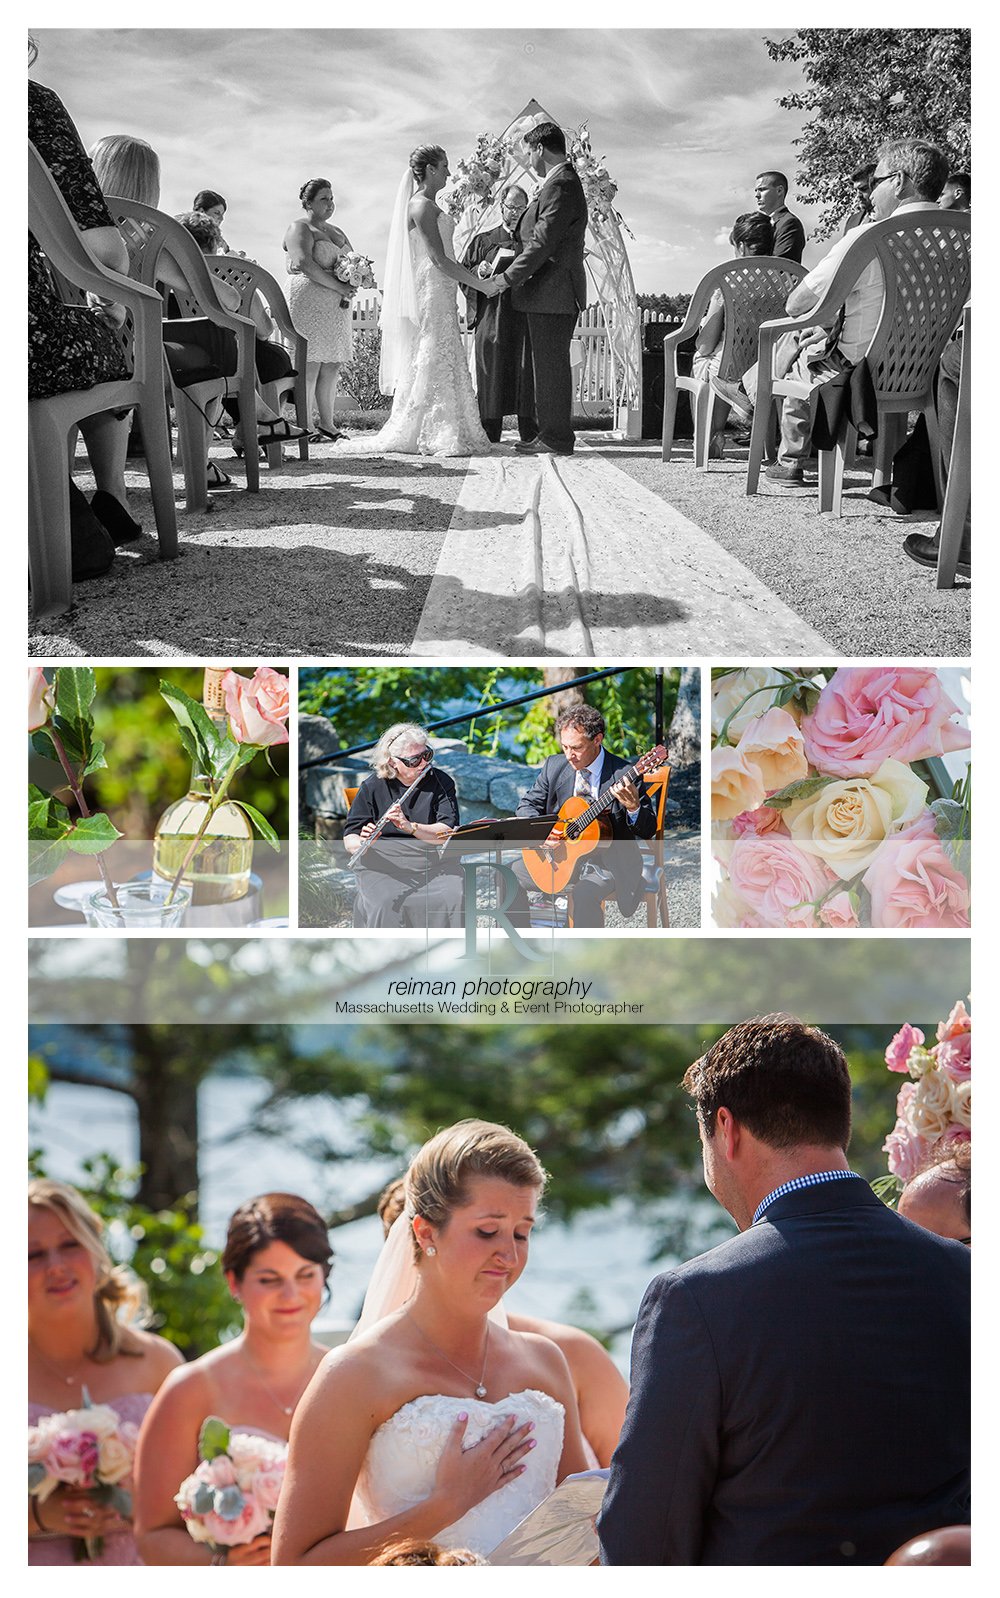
430	1250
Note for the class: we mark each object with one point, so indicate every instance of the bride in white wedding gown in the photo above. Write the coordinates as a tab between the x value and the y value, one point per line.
435	1420
422	362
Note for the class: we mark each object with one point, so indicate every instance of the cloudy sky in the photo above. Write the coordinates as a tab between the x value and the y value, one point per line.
685	118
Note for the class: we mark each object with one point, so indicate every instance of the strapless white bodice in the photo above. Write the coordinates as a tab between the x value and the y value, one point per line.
403	1455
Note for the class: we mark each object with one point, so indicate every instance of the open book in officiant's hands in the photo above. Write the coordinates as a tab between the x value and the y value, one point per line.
501	260
562	1530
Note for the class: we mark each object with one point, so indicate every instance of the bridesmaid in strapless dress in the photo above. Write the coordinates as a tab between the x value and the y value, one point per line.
435	1419
276	1261
82	1334
319	304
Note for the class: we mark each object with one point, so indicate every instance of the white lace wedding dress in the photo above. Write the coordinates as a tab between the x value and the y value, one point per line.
434	409
403	1455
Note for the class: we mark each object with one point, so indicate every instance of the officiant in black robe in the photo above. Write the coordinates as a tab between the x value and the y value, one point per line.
504	385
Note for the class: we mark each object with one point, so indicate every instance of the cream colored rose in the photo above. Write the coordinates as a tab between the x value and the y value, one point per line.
774	745
729	692
929	1110
961	1103
845	822
114	1460
729	910
736	785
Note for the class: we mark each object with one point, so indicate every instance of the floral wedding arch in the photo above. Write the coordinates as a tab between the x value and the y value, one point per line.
473	200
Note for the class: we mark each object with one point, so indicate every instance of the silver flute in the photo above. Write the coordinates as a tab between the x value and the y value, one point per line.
380	824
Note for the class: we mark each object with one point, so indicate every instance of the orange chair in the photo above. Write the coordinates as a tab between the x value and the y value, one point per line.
654	881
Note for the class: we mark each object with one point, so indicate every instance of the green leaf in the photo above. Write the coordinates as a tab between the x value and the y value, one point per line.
797	790
225	759
93	834
190	745
76	738
213	1439
47	817
97	760
76	687
265	829
950	819
42	744
44	858
195	717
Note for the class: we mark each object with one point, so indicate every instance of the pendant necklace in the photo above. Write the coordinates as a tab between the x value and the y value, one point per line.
480	1386
286	1409
70	1381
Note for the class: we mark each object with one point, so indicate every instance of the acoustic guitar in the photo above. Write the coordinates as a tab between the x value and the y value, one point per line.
581	826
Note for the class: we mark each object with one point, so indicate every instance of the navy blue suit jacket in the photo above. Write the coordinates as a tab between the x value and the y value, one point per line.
800	1394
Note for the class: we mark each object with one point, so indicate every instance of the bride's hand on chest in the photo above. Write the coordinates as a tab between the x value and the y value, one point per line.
465	1476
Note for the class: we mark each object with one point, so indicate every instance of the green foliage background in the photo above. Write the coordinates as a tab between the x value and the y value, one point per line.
147	768
362	701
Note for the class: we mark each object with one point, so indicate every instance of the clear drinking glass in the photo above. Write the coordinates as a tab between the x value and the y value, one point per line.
140	904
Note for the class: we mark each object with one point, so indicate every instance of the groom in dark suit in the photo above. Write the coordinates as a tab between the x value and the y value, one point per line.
583	768
550	285
800	1394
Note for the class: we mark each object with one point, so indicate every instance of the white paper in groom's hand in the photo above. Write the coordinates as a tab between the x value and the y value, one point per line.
561	1530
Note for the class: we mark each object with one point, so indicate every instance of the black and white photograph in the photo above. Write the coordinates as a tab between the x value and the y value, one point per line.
555	342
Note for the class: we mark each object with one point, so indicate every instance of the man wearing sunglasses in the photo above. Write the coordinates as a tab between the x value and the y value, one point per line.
408	808
909	176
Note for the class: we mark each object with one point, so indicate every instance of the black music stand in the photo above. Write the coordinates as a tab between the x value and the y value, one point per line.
499	831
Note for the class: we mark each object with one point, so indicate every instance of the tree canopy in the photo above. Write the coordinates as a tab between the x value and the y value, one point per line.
866	86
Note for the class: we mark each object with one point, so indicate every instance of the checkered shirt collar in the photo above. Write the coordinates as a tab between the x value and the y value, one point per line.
798	1182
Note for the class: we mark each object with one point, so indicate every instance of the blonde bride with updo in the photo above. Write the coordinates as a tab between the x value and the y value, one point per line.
435	1420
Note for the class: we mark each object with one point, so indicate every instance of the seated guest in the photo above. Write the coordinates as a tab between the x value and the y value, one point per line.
939	1197
908	177
601	1389
772	1419
213	205
752	234
77	346
271	360
924	547
202	356
862	183
957	192
770	190
402	882
583	768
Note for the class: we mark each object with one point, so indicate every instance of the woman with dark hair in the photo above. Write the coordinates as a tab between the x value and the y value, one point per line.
436	1419
79	346
319	303
276	1262
752	234
85	1319
213	205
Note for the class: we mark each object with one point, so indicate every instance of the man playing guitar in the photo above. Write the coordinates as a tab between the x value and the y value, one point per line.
583	769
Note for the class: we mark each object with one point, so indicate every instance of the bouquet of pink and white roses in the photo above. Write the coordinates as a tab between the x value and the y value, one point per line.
356	269
232	1495
824	811
90	1449
935	1105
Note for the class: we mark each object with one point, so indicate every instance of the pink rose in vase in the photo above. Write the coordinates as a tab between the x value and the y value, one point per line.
257	706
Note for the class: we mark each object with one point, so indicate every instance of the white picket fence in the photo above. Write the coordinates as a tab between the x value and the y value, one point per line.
591	353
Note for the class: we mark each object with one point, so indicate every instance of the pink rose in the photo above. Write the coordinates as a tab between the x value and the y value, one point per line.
251	1521
73	1458
267	1487
958	1022
898	1053
39	698
777	880
218	1472
906	1151
867	714
773	743
737	786
838	911
758	822
913	883
954	1056
257	706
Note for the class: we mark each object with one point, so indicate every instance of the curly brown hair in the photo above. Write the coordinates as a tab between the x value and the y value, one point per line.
786	1082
